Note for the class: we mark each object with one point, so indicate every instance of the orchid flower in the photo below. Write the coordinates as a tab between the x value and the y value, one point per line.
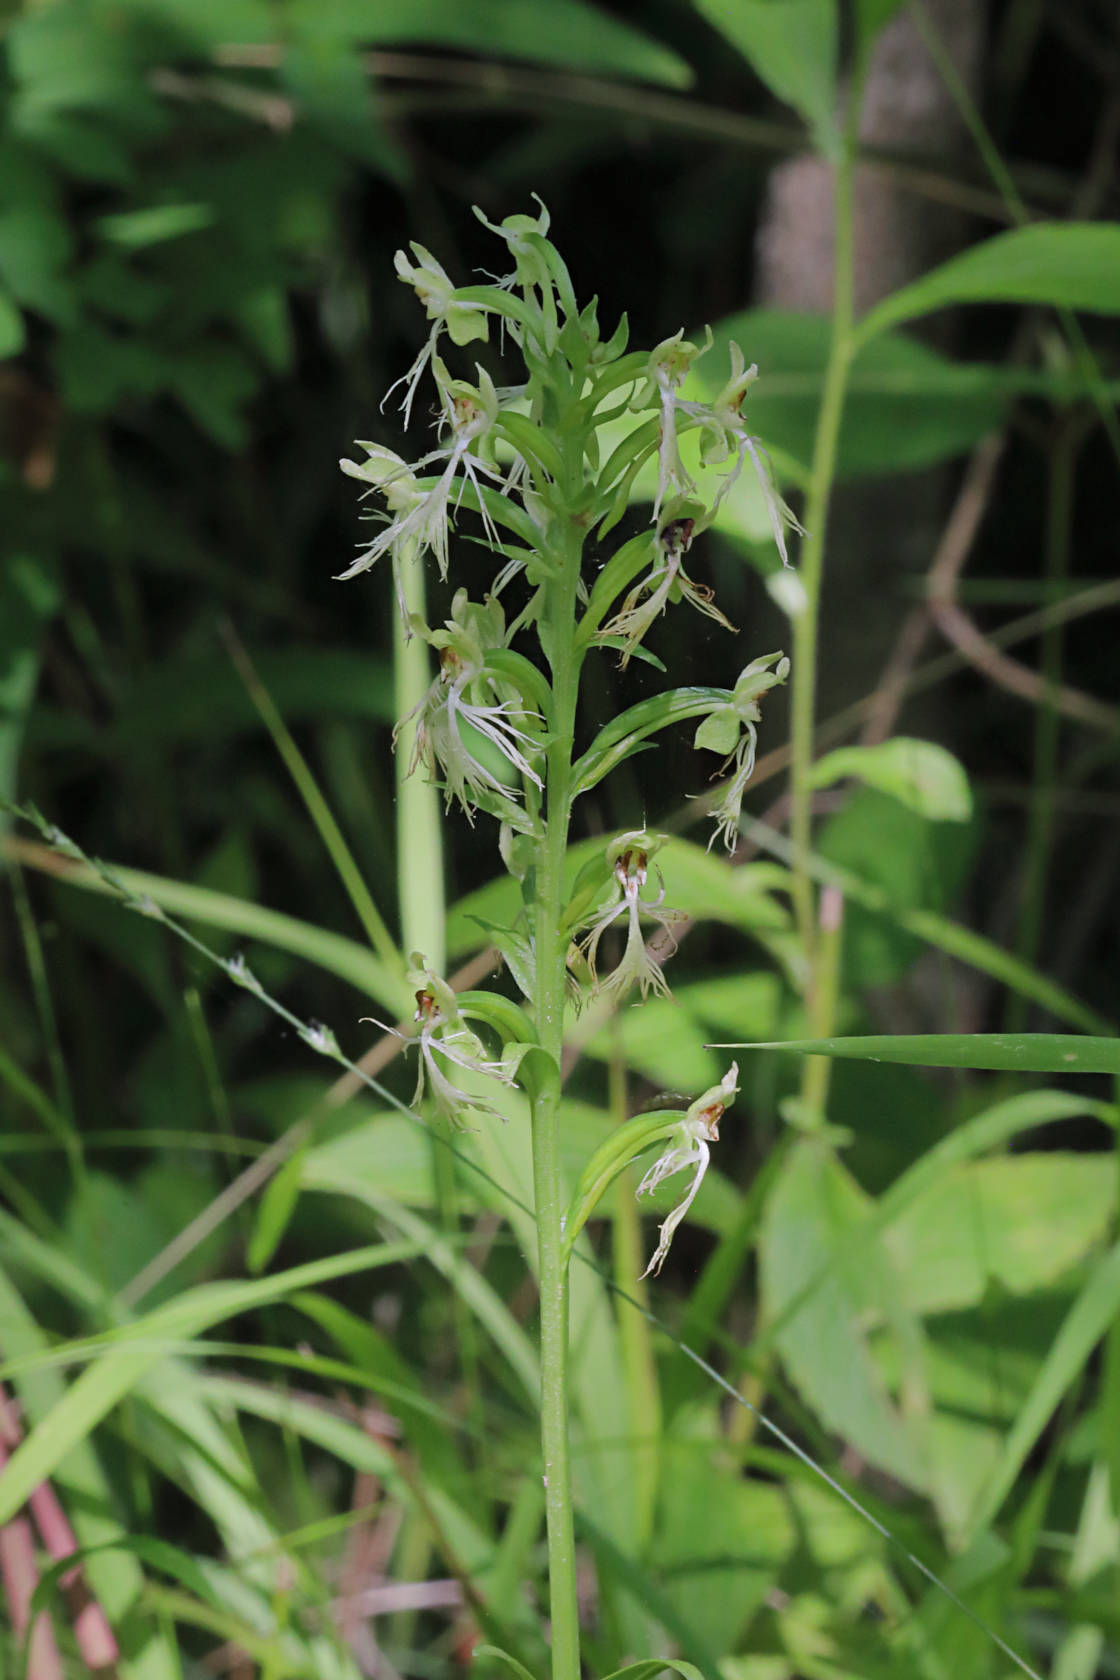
423	516
628	857
443	1032
724	433
469	634
697	1130
667	574
668	365
463	322
732	729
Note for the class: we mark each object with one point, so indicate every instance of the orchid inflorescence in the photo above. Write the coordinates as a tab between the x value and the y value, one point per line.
541	465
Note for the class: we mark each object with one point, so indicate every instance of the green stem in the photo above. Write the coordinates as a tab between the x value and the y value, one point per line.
423	903
419	818
806	622
1047	722
551	960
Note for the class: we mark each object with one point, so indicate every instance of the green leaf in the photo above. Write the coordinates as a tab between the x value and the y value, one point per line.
1019	1221
871	17
28	600
1071	265
791	45
115	1577
923	776
365	1183
35	246
813	1219
648	1667
158	1554
1089	1318
562	32
1005	1052
481	1653
905	404
945	935
274	1213
614	1154
135	229
347	958
203	699
135	1350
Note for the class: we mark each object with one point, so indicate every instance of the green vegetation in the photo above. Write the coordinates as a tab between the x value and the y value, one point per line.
383	1367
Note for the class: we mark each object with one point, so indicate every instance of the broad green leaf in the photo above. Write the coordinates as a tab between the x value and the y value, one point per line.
791	45
1071	265
1019	1221
923	776
811	1222
560	32
913	864
988	1130
35	250
1009	1052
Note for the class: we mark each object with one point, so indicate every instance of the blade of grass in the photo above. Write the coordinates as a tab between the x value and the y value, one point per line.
132	1351
340	956
317	808
1010	1052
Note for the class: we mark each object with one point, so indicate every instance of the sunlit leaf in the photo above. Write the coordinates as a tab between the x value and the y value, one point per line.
1072	265
920	774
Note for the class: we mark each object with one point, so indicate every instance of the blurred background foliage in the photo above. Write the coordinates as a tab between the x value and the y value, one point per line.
199	204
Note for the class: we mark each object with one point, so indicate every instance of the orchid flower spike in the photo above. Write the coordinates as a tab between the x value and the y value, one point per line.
689	1148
